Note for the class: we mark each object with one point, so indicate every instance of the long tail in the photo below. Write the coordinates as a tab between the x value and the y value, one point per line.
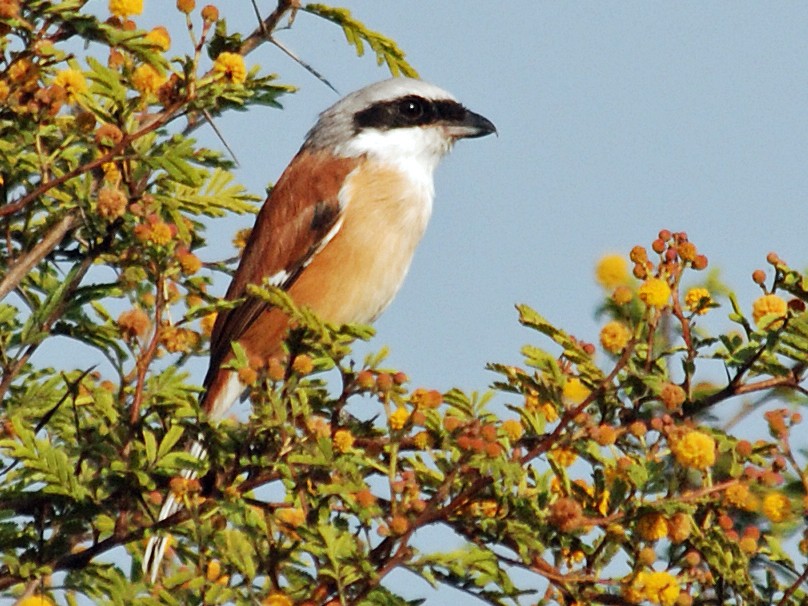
222	391
156	549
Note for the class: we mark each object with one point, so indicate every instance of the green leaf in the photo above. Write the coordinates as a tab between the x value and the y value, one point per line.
387	51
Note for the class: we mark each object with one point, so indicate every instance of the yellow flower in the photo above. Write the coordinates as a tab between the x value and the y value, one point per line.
231	66
134	323
769	305
159	37
776	507
241	237
303	364
513	429
575	391
655	292
207	323
549	412
21	72
214	570
612	271
72	80
399	418
563	456
35	600
111	172
698	300
672	396
178	340
422	440
655	587
291	516
652	527
614	336
160	233
189	262
146	79
277	598
695	450
4	91
737	495
343	440
247	375
111	203
124	8
622	295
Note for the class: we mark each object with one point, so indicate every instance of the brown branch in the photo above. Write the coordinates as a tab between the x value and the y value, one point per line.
48	242
793	587
736	388
263	33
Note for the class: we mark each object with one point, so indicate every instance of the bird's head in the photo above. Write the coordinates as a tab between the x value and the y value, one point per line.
397	121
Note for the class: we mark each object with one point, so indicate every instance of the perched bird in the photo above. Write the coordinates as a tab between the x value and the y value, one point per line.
339	229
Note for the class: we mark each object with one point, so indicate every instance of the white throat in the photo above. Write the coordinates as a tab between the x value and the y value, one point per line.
415	152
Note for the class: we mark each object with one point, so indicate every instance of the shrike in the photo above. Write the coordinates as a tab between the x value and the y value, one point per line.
339	229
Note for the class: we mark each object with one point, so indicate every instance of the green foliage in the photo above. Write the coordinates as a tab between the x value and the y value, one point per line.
580	478
356	33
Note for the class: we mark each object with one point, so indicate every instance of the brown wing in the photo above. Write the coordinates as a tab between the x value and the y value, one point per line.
290	228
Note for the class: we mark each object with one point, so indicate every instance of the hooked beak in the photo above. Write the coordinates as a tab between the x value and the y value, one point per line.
471	126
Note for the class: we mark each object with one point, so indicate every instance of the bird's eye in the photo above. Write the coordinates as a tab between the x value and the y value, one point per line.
412	109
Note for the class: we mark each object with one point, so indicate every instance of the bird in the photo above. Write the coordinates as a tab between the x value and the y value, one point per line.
338	230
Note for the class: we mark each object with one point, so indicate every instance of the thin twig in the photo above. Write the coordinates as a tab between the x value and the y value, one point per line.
264	33
159	120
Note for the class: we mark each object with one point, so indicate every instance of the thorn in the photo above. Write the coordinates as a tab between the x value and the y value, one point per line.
268	36
216	130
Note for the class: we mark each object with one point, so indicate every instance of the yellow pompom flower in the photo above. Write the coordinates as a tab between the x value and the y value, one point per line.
612	271
776	507
575	391
398	418
160	233
207	323
622	295
769	305
72	80
241	237
655	292
513	429
615	336
698	300
695	449
291	516
160	37
231	66
343	440
549	412
737	495
124	8
35	600
146	79
655	587
213	571
277	598
652	527
563	456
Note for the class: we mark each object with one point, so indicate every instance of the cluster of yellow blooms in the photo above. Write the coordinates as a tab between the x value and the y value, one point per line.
655	587
695	450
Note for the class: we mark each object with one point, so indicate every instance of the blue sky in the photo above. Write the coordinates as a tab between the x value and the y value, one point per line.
615	120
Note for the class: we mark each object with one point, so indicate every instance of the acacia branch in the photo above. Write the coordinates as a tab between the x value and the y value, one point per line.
28	261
